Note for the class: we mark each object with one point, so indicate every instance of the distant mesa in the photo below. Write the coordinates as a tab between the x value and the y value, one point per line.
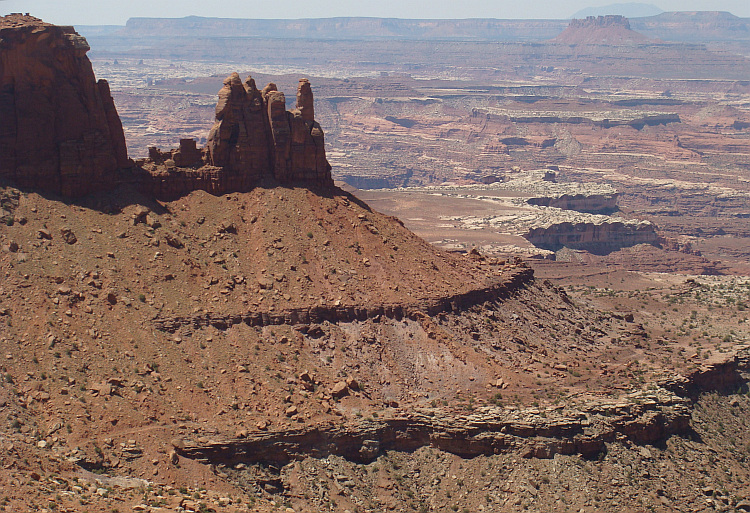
628	9
593	30
695	26
645	18
60	131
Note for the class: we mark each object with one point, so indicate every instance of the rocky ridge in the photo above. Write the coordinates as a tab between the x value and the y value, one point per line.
603	119
644	417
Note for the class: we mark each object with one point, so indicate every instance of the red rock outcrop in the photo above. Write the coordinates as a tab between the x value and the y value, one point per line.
239	141
60	131
254	139
59	128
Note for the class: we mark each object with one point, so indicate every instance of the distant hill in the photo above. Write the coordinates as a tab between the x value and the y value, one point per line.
629	10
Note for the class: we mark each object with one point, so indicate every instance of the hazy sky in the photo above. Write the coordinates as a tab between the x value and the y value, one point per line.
107	12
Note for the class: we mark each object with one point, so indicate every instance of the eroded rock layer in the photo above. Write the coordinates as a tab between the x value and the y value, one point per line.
59	129
642	418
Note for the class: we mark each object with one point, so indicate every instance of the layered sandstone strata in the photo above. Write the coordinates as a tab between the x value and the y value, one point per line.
59	128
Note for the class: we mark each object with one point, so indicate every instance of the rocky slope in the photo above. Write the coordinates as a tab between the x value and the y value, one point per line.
278	345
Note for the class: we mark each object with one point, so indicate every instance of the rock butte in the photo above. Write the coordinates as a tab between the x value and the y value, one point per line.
61	132
254	140
611	29
254	146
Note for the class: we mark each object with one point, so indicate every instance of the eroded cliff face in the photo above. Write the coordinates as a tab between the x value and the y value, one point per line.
596	237
59	128
588	203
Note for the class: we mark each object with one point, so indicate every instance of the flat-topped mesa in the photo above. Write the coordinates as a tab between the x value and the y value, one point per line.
59	129
254	141
610	20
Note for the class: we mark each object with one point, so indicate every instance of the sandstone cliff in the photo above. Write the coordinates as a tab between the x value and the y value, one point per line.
595	235
59	129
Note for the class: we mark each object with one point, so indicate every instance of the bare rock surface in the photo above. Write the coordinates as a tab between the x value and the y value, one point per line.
254	141
60	131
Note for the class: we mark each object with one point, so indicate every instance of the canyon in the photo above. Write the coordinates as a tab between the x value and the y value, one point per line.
222	326
669	139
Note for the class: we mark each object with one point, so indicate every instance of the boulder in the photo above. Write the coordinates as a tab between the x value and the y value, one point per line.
339	390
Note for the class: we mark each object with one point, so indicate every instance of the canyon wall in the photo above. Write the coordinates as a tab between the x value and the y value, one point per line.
588	203
594	237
